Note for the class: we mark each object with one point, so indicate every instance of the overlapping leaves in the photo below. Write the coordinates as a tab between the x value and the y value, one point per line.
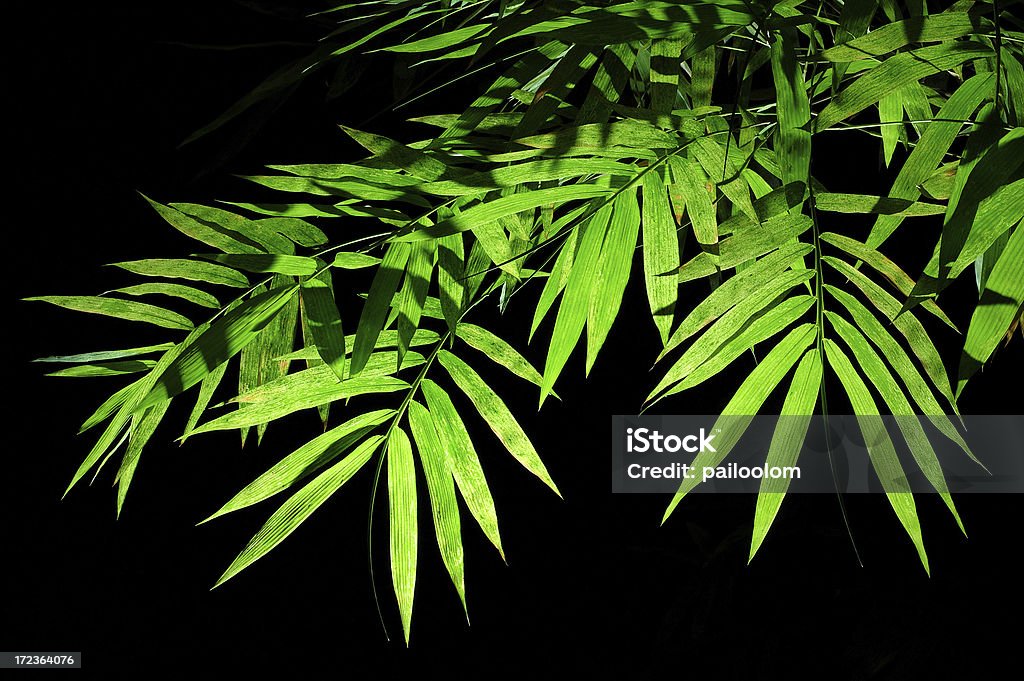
611	144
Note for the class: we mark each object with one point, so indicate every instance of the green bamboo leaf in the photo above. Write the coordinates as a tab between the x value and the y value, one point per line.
387	339
385	150
727	325
112	404
703	80
984	170
890	118
793	144
906	323
259	262
446	40
572	312
106	355
557	279
942	27
413	294
661	253
698	192
192	295
375	311
880	448
304	461
930	150
444	506
131	366
128	310
450	270
734	290
402	523
995	217
746	245
225	338
193	270
901	362
788	439
497	416
613	268
207	387
462	461
143	427
862	203
268	239
287	395
999	306
324	322
896	72
887	268
875	370
295	229
626	133
499	351
300	506
505	206
354	261
200	231
665	58
775	319
257	363
746	402
127	402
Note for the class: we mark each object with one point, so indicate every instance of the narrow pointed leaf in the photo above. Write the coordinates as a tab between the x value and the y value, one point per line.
402	526
300	506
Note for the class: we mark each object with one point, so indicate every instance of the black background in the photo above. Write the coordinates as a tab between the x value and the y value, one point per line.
100	99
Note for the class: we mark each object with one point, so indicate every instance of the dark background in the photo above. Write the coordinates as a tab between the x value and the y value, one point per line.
101	98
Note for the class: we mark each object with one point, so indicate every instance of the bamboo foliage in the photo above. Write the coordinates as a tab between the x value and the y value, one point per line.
608	134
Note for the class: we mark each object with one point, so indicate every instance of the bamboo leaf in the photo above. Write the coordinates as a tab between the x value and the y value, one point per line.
402	523
220	342
257	262
444	506
788	439
734	290
661	253
999	306
906	323
193	270
793	146
375	311
192	295
614	265
572	313
896	72
128	310
497	350
300	506
887	268
880	448
304	461
876	372
497	416
462	461
324	322
746	402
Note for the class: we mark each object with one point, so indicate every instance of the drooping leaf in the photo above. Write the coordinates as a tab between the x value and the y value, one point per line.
497	416
444	505
402	523
300	506
788	439
128	310
462	460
